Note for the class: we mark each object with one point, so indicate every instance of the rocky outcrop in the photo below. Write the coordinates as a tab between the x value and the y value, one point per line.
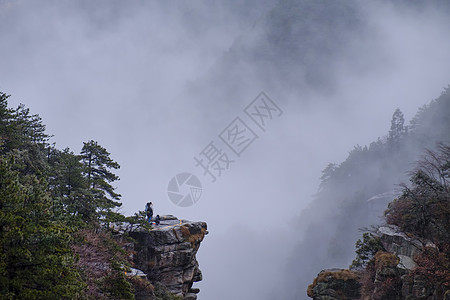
392	274
167	255
406	248
395	241
335	284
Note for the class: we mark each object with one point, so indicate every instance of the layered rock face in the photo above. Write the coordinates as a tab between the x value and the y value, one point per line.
166	255
395	241
406	248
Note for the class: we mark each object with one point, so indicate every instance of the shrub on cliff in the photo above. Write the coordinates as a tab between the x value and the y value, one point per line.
422	211
380	278
102	262
366	250
433	263
387	284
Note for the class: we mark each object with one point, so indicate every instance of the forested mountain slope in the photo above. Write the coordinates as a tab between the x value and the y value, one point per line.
354	193
55	211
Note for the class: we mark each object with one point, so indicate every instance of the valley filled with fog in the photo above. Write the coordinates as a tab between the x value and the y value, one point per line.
155	82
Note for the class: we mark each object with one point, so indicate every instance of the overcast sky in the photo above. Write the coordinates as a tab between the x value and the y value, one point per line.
121	74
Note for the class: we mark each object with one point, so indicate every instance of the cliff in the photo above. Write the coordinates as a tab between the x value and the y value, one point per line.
164	258
409	256
392	276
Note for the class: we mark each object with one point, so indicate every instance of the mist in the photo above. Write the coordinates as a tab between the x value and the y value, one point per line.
155	82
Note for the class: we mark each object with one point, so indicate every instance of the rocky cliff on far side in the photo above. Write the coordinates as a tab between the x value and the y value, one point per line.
393	274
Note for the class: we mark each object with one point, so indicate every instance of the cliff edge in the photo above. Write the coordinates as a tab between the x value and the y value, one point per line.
165	256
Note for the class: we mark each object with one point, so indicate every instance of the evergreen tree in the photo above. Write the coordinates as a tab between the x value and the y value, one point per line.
69	187
36	259
5	116
45	195
327	174
19	130
398	130
97	166
30	127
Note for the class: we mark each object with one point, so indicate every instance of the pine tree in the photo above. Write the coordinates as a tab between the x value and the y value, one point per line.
5	116
19	130
327	174
97	166
69	187
398	130
30	127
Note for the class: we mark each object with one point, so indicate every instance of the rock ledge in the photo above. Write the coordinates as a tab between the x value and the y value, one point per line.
167	253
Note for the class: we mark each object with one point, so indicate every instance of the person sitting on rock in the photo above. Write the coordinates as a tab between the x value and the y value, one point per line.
157	220
149	212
